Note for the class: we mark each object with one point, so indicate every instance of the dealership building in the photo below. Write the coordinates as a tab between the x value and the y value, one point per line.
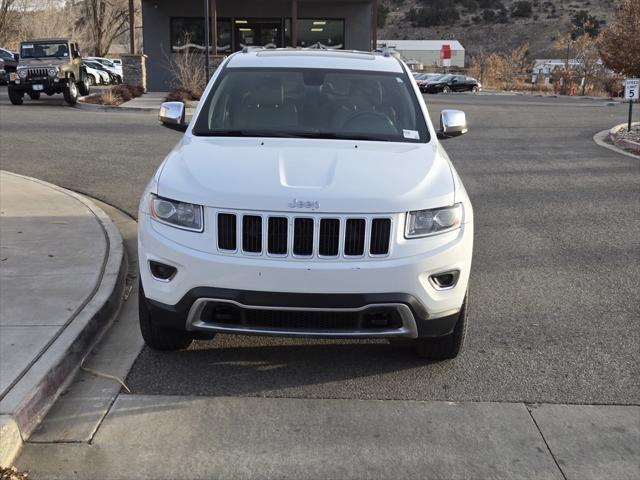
171	26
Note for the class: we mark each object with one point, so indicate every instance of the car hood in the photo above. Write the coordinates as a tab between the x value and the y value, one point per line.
43	62
341	176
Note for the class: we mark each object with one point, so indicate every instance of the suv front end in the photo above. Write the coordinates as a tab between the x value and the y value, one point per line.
308	234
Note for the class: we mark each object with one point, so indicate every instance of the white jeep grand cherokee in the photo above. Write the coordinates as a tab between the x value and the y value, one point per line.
309	196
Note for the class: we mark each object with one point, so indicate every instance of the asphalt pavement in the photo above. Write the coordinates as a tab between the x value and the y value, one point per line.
554	301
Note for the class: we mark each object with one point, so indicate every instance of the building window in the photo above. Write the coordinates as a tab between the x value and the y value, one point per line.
188	32
317	33
253	32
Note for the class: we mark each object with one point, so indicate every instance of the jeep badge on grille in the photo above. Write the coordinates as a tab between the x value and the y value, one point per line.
312	204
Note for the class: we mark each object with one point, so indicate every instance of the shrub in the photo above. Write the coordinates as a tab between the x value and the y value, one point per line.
489	16
521	9
182	95
437	12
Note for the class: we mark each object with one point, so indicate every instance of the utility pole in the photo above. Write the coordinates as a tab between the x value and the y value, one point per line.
132	43
206	38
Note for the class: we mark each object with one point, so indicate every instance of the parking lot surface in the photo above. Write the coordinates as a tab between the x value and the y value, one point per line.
554	303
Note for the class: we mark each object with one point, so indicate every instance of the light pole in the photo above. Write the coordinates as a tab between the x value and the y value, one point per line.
206	38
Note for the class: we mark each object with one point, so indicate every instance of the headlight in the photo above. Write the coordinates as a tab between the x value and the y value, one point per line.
423	223
177	214
53	71
22	73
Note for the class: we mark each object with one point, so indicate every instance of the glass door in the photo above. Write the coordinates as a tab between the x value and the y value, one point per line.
253	32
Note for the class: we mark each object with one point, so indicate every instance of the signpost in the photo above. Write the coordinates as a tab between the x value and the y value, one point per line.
631	93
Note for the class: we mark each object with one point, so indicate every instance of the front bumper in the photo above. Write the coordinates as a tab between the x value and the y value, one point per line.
399	286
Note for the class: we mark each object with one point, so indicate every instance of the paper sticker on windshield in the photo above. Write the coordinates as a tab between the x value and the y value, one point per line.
412	134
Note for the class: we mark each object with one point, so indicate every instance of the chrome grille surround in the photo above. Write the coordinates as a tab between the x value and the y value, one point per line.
315	251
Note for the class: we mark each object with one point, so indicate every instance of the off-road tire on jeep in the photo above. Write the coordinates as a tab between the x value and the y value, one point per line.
83	86
157	337
70	92
449	346
34	95
15	97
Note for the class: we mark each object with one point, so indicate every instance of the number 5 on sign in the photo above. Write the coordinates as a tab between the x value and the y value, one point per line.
632	89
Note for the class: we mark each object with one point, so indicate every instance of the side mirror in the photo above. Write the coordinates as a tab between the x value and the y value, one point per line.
172	116
16	57
453	123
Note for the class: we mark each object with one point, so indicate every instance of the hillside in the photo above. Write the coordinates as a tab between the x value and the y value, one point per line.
492	25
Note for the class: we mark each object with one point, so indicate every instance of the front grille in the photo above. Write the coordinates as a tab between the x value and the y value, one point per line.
226	314
303	236
36	73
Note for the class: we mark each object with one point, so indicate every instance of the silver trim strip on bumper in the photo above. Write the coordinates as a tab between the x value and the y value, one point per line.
409	328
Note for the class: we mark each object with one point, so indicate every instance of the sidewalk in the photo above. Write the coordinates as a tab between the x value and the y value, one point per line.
171	437
61	272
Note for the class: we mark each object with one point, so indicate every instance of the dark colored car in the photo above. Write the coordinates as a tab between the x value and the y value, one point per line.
452	83
8	64
423	78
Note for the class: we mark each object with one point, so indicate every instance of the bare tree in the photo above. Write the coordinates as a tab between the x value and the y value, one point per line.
8	19
100	22
619	44
588	58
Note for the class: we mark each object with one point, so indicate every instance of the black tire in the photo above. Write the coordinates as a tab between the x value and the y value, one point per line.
474	89
70	92
92	80
449	346
34	95
15	97
156	337
83	86
446	90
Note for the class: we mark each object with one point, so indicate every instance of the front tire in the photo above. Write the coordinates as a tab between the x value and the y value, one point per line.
15	97
70	92
34	95
446	90
156	337
448	346
83	86
474	89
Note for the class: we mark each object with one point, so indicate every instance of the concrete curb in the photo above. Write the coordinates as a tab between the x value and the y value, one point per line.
91	107
623	142
28	401
600	137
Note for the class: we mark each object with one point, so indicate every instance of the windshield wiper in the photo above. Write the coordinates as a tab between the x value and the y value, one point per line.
243	133
270	133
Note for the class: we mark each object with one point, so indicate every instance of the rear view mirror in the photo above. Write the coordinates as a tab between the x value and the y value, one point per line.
453	123
172	115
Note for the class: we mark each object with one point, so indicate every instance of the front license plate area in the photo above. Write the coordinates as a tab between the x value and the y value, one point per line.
38	88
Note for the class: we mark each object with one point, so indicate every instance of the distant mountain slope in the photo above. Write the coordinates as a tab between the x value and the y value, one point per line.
492	25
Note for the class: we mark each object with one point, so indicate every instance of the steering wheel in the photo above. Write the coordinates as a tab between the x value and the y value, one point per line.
381	119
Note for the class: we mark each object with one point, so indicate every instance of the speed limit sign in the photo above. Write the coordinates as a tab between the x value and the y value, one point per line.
632	89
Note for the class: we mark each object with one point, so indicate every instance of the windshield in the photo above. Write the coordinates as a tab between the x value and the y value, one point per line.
106	62
312	103
443	78
44	50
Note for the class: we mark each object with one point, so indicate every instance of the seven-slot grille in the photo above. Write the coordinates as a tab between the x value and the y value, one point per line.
303	236
37	72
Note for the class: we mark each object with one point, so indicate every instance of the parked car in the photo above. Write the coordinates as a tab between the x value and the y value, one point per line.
8	64
323	209
452	83
48	66
109	66
424	78
100	75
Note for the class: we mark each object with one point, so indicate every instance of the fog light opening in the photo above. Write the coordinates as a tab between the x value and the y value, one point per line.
445	280
162	272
